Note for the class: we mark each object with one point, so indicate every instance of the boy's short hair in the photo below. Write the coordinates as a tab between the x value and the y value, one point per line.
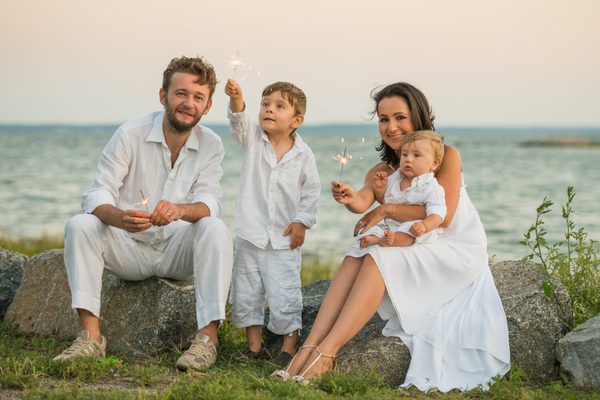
292	93
191	65
437	142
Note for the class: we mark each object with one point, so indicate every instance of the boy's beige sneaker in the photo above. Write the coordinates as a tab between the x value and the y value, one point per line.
83	346
201	355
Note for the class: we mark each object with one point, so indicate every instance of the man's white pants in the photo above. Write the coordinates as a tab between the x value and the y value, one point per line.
202	250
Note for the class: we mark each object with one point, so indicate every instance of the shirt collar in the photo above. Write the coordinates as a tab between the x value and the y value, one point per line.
422	179
157	135
299	145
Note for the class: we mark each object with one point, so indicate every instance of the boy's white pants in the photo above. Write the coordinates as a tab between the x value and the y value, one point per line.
202	251
266	276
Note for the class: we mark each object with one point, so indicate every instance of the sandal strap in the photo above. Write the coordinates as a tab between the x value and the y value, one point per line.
304	346
332	356
320	354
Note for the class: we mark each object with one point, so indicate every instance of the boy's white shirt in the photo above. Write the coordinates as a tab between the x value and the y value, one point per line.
272	194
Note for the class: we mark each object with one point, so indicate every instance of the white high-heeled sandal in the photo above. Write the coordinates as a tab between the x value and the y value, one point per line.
284	374
301	379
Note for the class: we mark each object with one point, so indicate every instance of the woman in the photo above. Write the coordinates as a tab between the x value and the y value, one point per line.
438	297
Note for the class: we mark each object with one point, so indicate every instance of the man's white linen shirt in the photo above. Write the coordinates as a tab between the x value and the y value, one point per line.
137	160
272	194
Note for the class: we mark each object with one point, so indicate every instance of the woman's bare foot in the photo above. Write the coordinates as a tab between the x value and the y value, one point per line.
367	241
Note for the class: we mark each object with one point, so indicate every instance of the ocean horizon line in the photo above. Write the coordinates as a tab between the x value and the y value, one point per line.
311	126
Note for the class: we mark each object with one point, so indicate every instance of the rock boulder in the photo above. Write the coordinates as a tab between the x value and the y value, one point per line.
579	354
11	271
145	317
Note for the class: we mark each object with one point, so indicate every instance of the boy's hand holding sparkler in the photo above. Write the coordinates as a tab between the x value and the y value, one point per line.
297	231
236	97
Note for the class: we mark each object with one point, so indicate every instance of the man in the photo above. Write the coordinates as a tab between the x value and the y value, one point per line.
152	211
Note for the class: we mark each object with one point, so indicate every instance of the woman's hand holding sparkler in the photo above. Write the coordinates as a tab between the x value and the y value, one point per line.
165	213
342	192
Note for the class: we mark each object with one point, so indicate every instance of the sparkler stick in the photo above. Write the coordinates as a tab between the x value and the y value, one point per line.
144	201
343	159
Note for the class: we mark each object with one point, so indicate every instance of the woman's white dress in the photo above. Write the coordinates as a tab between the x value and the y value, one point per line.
442	302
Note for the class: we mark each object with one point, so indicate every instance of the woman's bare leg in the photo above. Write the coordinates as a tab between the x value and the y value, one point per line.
330	309
360	305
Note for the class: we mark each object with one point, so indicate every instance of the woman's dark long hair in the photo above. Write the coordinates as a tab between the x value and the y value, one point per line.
421	113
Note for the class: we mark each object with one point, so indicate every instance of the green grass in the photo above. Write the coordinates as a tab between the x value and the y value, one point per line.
26	370
30	246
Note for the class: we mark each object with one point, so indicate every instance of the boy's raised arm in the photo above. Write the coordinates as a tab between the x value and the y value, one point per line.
236	97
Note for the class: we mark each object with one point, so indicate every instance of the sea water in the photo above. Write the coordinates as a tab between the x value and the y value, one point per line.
45	169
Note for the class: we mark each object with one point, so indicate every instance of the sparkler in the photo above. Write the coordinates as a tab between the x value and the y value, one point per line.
235	62
144	201
343	160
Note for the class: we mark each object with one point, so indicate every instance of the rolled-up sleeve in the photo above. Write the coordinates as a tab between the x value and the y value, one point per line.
436	201
310	194
207	187
112	168
242	129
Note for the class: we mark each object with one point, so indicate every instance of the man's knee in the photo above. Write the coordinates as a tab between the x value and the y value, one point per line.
83	224
211	227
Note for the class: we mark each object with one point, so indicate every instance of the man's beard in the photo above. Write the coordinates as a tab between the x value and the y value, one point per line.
178	126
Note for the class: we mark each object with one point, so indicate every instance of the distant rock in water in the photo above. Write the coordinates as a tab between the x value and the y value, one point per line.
562	141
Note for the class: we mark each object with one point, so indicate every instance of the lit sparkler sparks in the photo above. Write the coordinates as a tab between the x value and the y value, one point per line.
235	62
144	201
343	160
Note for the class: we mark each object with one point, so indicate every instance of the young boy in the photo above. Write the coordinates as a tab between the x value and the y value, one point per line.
414	183
277	201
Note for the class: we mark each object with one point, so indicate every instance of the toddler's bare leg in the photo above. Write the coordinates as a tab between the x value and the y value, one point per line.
367	241
396	239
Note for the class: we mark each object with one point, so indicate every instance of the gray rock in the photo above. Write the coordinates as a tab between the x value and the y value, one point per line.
579	354
534	326
534	322
11	271
145	317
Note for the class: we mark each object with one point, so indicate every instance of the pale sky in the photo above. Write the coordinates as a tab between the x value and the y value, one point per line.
496	63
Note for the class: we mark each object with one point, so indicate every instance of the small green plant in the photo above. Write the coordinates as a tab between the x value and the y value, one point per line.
572	262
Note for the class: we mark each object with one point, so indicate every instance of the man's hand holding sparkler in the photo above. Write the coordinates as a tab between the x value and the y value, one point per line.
165	213
135	220
129	220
